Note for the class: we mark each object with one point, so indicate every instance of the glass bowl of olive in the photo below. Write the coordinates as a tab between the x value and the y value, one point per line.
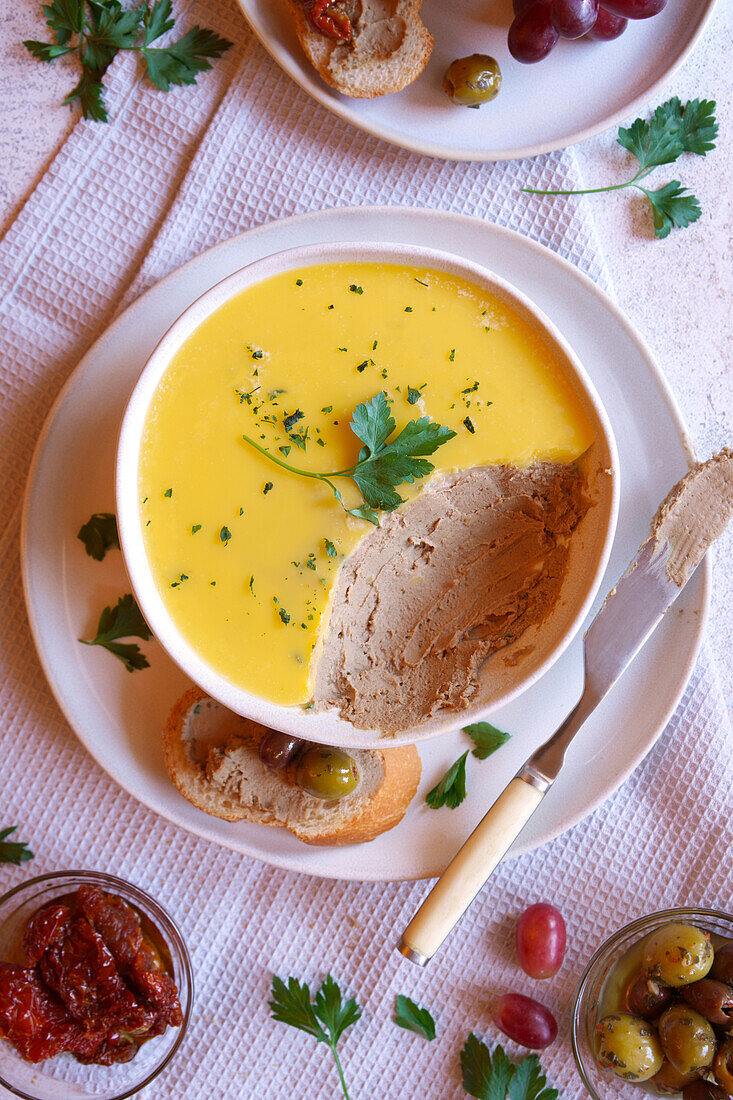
653	1011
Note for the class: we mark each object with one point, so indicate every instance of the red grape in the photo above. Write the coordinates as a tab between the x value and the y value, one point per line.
532	35
634	9
521	5
541	937
573	18
525	1021
607	26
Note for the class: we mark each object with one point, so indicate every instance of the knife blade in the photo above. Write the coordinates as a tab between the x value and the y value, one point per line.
693	514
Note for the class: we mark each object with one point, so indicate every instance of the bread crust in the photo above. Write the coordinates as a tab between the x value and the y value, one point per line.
402	770
374	77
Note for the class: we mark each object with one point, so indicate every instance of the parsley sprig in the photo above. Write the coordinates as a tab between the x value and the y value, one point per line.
490	1076
451	790
383	463
97	30
13	851
673	129
125	620
326	1018
411	1017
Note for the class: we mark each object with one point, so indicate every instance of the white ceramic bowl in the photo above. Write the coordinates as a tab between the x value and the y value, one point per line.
590	546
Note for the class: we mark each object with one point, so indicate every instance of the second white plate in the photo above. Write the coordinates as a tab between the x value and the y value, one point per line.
118	716
582	88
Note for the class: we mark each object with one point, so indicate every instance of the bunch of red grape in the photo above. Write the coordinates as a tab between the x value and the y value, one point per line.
539	24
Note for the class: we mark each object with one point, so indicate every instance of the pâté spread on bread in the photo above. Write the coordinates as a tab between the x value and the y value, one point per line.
263	433
235	769
364	48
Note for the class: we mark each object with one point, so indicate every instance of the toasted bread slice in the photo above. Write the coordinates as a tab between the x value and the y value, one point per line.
389	49
212	757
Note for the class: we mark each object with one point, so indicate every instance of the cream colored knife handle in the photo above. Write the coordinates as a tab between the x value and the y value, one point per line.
468	871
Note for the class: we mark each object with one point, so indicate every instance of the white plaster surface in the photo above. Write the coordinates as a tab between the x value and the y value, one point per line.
678	292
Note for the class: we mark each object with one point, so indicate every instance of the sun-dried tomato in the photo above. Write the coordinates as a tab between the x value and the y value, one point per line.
94	986
35	1021
82	971
116	923
47	926
328	17
160	992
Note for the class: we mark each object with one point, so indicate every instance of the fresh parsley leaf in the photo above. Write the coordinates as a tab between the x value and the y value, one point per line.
157	19
112	29
529	1082
486	738
382	463
674	129
413	395
655	142
373	423
330	548
90	93
698	128
334	1014
99	534
122	621
452	788
291	1004
325	1019
672	207
485	1076
15	852
419	437
413	1018
45	51
97	29
183	60
65	18
490	1076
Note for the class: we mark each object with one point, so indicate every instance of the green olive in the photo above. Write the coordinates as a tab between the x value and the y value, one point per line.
669	1079
687	1038
723	1066
629	1046
326	773
471	81
678	954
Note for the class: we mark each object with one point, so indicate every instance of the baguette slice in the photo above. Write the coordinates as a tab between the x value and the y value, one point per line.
375	62
212	757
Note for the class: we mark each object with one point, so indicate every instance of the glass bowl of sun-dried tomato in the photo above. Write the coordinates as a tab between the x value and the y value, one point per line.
96	988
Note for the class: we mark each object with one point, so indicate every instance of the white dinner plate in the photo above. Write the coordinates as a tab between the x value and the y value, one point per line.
118	715
582	88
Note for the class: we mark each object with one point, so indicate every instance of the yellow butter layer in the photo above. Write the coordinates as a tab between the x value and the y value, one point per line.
245	553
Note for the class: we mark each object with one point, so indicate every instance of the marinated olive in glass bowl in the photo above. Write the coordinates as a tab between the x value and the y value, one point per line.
654	1009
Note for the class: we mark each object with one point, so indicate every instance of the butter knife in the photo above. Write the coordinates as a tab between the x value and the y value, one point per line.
694	513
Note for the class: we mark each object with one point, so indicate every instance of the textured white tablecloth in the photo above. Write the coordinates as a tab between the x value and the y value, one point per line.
119	207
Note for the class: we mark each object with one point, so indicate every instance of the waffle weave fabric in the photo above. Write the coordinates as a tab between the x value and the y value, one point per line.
119	208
